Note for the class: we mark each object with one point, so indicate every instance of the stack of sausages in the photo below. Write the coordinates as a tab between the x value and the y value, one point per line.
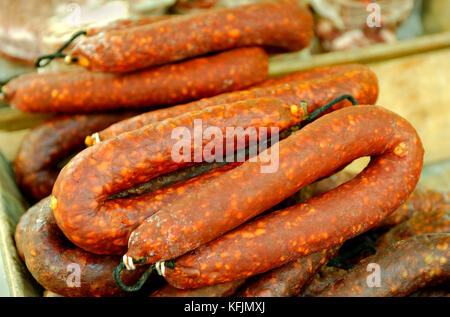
123	209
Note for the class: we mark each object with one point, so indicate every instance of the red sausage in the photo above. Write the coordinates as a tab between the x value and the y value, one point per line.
279	237
284	24
313	86
36	162
126	24
138	156
124	215
405	267
52	259
219	290
287	280
78	91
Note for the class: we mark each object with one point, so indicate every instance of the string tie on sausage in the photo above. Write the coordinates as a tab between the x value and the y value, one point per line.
316	113
44	60
130	263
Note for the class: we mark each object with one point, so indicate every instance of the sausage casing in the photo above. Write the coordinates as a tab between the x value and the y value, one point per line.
279	237
77	91
285	24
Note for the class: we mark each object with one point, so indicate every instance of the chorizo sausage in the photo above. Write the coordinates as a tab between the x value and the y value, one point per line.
433	222
36	162
405	266
284	24
287	280
79	91
356	80
219	290
51	259
140	155
282	236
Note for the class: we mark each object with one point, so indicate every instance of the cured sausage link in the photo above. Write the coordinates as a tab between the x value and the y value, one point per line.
138	156
405	266
79	91
285	24
309	154
356	80
51	259
54	140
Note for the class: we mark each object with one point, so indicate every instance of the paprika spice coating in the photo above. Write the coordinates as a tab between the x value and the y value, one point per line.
51	259
436	221
282	236
54	140
421	201
77	91
406	266
284	24
140	155
219	290
287	280
317	90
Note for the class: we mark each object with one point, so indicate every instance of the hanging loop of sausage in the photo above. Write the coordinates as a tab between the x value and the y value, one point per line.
97	223
112	220
307	155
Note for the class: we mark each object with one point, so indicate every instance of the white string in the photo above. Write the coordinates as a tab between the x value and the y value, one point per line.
160	268
96	137
128	261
